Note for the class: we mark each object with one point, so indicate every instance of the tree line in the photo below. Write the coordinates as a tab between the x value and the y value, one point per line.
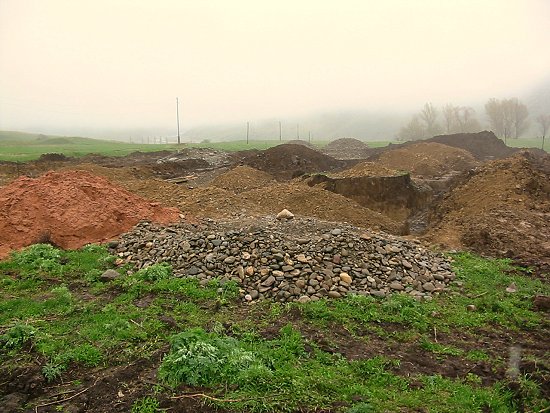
508	118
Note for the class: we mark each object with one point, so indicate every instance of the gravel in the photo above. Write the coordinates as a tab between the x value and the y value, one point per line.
297	260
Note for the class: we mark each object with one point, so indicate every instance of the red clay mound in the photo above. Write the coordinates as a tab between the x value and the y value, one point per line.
71	208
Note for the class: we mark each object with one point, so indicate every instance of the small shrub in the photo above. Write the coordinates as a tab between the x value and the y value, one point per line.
154	272
52	371
202	359
17	336
145	405
38	257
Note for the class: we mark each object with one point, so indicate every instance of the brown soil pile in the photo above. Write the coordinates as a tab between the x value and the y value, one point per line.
301	142
289	161
483	145
70	209
503	210
299	198
427	159
242	178
367	169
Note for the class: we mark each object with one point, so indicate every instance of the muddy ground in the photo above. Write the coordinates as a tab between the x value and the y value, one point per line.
465	191
468	193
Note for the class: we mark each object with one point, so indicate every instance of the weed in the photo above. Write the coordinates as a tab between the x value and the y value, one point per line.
146	405
17	336
52	371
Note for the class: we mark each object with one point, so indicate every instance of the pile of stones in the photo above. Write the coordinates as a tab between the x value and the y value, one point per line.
295	260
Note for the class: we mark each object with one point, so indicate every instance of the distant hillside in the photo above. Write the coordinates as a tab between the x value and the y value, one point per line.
361	125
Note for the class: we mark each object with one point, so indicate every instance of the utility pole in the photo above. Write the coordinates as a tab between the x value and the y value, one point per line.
247	131
280	131
178	118
309	136
298	131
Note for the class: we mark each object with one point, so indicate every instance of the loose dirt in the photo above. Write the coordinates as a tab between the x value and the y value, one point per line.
503	210
427	159
242	178
70	209
289	161
483	145
367	169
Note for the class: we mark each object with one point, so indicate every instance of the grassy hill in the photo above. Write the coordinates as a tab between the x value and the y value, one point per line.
20	146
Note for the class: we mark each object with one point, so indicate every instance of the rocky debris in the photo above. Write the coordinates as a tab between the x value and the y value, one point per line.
297	260
109	275
346	148
285	214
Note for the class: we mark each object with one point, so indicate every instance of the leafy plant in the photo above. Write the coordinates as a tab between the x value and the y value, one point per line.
145	405
52	371
17	336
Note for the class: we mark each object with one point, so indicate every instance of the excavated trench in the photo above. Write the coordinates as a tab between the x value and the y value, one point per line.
399	197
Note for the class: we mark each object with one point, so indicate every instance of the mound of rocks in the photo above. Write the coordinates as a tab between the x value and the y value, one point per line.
295	260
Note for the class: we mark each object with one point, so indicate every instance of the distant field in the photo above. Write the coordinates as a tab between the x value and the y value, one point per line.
21	147
18	146
529	143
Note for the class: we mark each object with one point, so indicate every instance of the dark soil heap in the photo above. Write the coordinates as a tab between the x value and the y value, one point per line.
70	209
503	210
483	145
427	159
298	260
289	161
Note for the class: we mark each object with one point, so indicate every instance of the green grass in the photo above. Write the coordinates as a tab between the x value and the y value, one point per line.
55	310
529	143
22	147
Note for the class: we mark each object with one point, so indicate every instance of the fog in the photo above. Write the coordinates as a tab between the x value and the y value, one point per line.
114	68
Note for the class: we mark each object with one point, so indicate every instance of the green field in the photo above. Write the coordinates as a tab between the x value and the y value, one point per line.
58	319
22	147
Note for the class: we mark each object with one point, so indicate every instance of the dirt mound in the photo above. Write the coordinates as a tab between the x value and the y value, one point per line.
289	161
427	159
242	178
502	210
367	169
346	143
482	145
71	209
346	148
300	199
301	142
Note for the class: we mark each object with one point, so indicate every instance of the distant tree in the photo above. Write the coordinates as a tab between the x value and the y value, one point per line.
413	130
519	115
508	117
460	119
544	124
429	116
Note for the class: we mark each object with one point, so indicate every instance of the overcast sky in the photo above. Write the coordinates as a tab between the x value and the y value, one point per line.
121	63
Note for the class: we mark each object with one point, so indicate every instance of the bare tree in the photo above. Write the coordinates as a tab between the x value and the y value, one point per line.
460	119
519	116
450	114
413	130
508	117
544	124
429	115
